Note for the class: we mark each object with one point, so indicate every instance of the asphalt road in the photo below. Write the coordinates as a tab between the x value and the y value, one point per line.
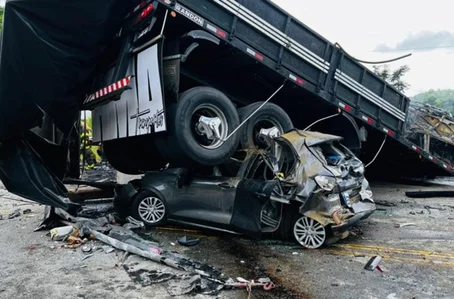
417	260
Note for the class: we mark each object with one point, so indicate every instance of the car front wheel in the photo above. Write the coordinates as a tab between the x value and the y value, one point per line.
309	233
149	208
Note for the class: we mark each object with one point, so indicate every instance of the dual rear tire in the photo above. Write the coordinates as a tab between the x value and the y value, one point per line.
197	129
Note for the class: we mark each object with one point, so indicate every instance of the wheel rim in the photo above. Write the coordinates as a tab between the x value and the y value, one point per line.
264	124
309	233
152	209
208	138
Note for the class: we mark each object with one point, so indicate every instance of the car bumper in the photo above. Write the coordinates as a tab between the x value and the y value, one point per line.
351	221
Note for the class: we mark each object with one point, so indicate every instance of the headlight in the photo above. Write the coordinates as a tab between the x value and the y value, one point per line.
325	182
359	169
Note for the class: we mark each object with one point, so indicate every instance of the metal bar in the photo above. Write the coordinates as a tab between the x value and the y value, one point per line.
164	23
252	114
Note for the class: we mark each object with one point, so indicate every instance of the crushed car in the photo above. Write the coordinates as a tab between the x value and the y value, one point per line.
307	179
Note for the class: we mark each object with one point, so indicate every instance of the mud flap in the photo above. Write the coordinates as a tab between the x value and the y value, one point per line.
251	196
23	173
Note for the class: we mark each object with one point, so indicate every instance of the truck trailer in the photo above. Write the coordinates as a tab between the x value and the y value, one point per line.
185	82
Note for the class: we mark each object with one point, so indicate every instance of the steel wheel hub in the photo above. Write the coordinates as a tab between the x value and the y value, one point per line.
152	209
309	233
210	126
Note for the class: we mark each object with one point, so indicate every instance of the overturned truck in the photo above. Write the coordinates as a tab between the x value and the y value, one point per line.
180	84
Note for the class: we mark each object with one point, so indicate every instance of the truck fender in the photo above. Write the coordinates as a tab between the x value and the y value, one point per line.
197	35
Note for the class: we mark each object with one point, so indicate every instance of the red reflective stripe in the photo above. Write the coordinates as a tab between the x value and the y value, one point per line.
258	56
416	148
345	107
387	131
299	81
221	33
124	82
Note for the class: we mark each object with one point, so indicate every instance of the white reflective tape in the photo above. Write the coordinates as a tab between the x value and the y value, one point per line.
293	77
124	82
97	94
212	28
114	86
109	89
342	105
251	52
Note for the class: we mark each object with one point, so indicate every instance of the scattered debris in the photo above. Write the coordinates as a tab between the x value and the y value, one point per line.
60	233
385	203
242	262
428	194
295	253
373	263
188	241
404	201
195	277
27	211
108	249
434	208
265	283
399	225
86	248
173	244
87	256
14	214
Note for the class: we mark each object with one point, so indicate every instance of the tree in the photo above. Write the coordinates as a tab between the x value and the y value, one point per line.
441	98
1	18
395	78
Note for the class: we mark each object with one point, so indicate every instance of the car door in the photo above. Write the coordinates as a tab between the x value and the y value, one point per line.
206	200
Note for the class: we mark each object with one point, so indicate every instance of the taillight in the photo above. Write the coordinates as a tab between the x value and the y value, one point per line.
146	11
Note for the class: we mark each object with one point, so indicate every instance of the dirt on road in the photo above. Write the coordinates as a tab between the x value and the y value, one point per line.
418	260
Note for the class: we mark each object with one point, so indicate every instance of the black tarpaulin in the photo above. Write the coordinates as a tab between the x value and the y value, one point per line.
23	173
48	52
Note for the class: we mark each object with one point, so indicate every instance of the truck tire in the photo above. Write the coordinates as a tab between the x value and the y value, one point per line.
187	141
134	155
270	115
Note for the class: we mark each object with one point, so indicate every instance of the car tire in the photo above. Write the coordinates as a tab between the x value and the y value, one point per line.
185	143
134	155
268	116
157	209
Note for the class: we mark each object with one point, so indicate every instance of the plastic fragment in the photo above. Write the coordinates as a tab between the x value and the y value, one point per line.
373	263
188	241
59	233
108	249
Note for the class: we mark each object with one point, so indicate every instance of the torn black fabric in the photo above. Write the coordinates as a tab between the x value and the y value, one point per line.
23	173
49	50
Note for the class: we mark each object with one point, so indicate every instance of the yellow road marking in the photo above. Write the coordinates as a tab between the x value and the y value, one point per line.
395	254
425	253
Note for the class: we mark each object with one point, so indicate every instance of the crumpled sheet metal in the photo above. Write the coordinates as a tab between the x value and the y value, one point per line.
297	137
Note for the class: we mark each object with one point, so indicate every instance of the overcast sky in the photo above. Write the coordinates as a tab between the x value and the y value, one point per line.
380	30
